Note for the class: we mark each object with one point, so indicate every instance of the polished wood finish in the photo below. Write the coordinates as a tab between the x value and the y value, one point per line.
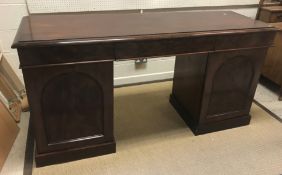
211	88
56	29
204	128
272	67
74	103
54	157
230	84
266	3
47	55
68	72
271	14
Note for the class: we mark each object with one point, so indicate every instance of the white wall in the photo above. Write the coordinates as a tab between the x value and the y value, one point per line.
39	6
126	72
11	12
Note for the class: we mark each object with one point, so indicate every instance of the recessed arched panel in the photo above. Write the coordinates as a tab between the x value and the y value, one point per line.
230	87
77	110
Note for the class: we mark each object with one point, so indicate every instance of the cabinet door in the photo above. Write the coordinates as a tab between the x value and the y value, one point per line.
71	105
230	84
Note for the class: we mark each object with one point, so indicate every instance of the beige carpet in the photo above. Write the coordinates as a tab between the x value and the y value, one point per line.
14	164
269	99
153	140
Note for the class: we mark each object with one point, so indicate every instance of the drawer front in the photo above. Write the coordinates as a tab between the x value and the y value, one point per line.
31	56
247	40
276	17
270	16
163	47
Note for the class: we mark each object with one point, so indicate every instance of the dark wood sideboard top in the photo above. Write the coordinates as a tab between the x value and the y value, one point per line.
72	28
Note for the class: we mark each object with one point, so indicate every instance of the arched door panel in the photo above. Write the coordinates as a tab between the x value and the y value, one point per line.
230	84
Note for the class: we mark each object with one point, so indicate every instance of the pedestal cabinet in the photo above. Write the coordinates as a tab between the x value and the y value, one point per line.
73	105
215	91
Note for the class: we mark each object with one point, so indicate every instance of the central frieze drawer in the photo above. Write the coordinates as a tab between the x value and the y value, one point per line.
163	47
244	40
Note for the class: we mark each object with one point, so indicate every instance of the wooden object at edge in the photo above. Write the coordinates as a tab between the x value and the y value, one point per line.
8	133
272	69
12	89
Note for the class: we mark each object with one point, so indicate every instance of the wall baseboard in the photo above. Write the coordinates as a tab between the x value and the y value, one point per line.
143	78
156	69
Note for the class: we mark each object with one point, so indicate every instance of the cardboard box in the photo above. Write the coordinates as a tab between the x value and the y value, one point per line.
8	132
12	89
7	71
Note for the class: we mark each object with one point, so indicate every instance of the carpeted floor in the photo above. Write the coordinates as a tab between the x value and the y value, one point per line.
14	164
267	96
153	140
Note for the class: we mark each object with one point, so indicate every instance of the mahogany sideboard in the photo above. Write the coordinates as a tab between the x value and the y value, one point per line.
67	63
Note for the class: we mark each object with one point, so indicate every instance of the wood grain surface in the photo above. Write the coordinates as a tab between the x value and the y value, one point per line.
89	27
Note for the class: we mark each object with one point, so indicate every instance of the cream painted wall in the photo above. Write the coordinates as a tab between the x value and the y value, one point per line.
39	6
11	12
126	72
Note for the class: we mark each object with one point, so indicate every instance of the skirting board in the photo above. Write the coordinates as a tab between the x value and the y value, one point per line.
143	78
